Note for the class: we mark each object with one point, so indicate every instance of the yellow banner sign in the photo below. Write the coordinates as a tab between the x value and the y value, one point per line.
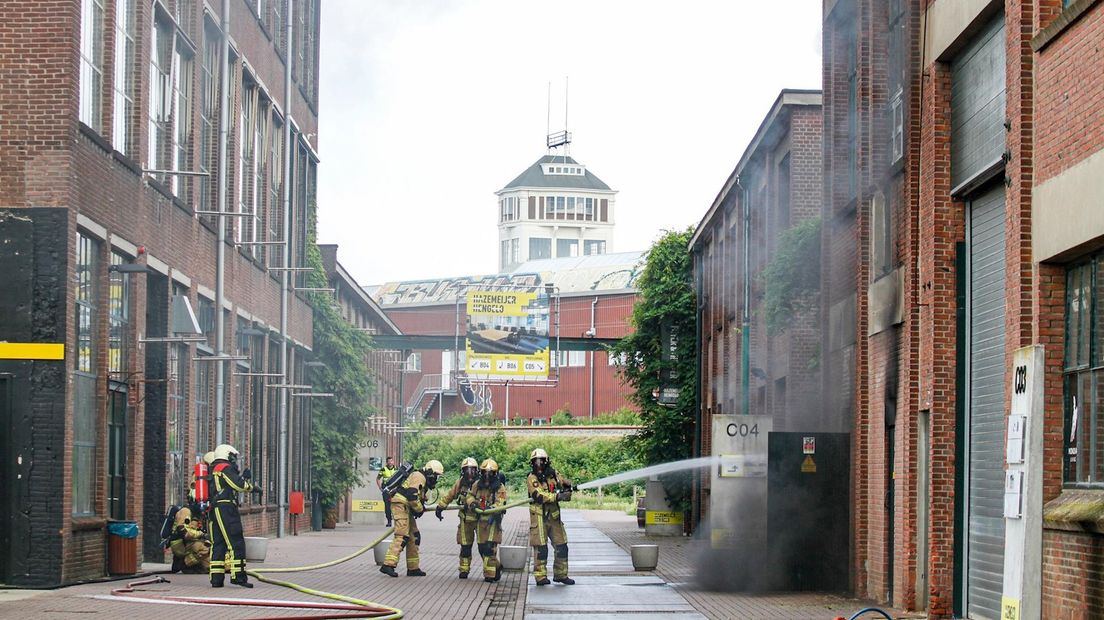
367	505
507	335
656	517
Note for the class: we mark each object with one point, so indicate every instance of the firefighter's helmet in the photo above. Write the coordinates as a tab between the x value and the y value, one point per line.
539	453
468	462
489	465
435	467
209	457
226	452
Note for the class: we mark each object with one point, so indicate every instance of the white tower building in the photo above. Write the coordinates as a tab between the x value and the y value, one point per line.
556	208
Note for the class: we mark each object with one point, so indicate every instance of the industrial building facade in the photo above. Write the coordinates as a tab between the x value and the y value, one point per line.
961	227
774	188
110	170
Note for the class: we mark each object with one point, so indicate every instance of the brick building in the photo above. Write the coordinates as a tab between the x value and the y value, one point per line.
774	187
961	224
385	370
105	251
596	300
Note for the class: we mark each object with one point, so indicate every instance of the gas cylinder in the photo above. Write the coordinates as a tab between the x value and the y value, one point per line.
201	483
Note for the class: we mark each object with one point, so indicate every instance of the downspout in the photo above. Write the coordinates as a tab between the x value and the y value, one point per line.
220	256
745	353
282	465
401	406
592	333
696	449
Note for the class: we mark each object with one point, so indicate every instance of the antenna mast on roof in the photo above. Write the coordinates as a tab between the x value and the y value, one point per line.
560	138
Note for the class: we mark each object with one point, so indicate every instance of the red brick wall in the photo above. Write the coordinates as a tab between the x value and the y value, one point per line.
1073	575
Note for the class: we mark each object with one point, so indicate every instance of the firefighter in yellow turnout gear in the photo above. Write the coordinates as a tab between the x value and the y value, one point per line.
489	492
546	490
461	492
228	550
409	504
190	547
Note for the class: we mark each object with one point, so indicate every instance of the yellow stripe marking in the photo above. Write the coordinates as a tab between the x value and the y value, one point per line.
32	351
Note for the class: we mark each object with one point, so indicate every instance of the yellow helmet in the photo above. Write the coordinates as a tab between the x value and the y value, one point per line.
468	462
435	467
209	457
539	453
489	465
225	452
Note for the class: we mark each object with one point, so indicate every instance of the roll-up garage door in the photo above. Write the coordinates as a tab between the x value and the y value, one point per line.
978	139
985	422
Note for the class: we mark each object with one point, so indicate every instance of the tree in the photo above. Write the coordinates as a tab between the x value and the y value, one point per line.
665	305
338	424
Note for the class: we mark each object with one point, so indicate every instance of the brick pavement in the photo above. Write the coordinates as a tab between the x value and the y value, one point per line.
439	595
676	566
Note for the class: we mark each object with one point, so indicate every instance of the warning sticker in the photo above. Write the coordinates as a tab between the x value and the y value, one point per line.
808	445
808	466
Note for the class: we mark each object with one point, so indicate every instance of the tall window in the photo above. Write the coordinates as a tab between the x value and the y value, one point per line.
275	212
182	120
91	63
253	157
256	408
177	414
898	61
85	427
124	77
208	117
118	312
170	106
1084	373
161	99
272	413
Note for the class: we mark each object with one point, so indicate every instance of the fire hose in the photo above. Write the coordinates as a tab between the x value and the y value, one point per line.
351	607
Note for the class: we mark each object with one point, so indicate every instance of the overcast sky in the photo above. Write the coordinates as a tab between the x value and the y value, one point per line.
430	106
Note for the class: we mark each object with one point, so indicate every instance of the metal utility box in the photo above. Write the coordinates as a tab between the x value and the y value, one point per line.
808	510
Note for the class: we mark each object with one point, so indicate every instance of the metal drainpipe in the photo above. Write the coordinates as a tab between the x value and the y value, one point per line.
697	450
593	333
745	353
220	256
402	402
282	466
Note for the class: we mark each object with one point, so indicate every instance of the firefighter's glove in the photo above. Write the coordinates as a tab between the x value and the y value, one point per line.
440	512
563	496
247	474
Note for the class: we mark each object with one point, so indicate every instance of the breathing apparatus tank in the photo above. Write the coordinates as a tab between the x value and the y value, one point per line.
202	490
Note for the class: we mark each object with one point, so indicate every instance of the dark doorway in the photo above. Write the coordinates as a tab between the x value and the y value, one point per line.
152	395
15	531
808	514
117	450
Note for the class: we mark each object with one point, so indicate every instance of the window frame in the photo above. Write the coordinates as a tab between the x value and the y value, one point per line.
1083	363
91	53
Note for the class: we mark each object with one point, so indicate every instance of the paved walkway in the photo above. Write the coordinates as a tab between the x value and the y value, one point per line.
607	587
678	570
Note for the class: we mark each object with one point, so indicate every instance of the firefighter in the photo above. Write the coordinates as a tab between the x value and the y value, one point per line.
386	472
490	492
190	547
461	491
228	551
546	490
409	504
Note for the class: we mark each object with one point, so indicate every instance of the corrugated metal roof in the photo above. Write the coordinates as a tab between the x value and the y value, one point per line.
534	176
583	274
